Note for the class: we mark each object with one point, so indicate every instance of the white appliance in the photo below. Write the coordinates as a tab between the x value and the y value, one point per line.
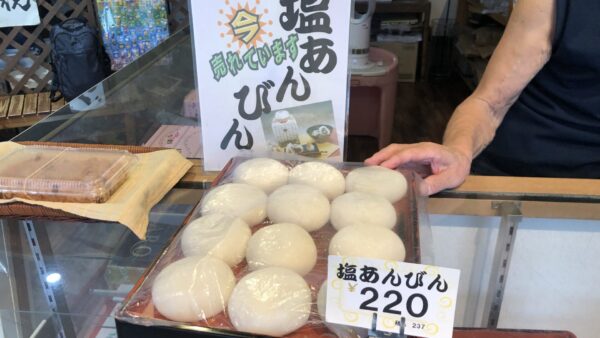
360	36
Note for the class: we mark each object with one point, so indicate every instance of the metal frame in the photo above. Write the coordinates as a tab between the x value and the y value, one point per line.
510	213
54	295
59	321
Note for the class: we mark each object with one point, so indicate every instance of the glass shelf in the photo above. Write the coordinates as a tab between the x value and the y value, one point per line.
130	105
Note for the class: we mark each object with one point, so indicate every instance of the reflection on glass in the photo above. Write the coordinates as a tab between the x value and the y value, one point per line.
130	106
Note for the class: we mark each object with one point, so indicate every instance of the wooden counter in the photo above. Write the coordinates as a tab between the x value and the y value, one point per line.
196	176
536	197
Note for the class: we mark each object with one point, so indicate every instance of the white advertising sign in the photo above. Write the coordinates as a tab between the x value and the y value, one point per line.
18	13
272	76
413	299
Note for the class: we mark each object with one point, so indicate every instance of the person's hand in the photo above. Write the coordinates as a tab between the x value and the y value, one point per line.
449	166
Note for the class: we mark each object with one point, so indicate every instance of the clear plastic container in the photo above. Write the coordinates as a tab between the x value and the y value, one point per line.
63	174
140	316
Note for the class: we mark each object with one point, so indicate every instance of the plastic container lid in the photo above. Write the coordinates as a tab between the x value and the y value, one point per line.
273	299
63	174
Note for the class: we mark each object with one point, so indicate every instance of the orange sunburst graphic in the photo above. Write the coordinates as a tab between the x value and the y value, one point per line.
243	24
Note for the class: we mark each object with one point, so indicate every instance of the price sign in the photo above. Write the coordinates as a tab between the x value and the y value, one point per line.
418	299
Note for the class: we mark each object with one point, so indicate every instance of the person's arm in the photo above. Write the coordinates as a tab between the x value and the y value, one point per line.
523	50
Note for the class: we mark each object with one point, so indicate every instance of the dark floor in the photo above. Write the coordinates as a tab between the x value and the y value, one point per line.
422	111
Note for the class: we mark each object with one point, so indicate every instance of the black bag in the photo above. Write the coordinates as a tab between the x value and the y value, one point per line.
78	60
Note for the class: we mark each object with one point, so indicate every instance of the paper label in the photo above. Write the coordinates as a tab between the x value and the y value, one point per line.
183	138
421	297
19	13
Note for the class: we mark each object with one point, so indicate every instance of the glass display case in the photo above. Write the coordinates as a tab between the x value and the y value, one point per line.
129	106
66	278
527	248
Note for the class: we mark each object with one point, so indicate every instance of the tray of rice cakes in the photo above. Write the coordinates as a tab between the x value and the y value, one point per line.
252	259
63	174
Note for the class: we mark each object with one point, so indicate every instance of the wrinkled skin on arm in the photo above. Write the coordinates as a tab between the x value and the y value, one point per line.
524	49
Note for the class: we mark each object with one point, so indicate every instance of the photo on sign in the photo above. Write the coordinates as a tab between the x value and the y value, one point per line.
307	130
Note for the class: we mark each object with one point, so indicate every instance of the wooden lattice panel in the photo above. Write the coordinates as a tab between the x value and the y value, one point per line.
18	111
36	77
178	14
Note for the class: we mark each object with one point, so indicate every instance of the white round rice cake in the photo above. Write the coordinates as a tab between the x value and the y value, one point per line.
264	173
216	235
284	245
299	204
271	301
193	289
236	199
377	180
367	242
361	208
322	176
